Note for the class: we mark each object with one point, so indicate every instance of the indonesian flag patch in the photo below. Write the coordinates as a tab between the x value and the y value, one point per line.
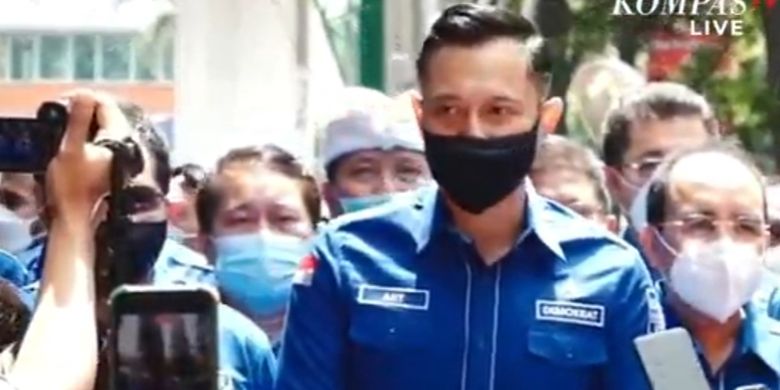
306	270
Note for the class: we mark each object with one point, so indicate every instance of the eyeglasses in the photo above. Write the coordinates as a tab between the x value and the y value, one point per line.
702	227
643	169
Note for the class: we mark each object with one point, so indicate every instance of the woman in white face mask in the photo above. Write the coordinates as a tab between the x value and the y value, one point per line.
706	235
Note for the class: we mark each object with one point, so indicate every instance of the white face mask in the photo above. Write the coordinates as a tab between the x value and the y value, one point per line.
716	278
637	214
15	234
772	259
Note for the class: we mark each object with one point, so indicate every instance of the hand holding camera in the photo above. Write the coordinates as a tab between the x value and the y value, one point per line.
79	175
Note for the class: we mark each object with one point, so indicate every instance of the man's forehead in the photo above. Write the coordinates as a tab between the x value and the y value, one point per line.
668	134
714	172
495	69
773	201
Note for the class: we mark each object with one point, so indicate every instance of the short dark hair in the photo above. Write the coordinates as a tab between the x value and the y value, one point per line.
193	174
658	190
561	153
470	25
151	140
660	100
272	157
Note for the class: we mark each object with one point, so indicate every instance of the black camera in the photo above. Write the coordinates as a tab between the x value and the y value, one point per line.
28	144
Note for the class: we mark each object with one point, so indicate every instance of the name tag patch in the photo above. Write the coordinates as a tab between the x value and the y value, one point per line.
570	312
404	298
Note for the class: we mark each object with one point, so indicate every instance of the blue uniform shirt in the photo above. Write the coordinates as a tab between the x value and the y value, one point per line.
394	298
178	262
246	361
756	356
175	263
12	270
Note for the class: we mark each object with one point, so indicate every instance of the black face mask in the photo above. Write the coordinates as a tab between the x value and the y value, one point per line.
477	173
137	250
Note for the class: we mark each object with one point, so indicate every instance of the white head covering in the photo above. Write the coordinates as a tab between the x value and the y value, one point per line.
357	131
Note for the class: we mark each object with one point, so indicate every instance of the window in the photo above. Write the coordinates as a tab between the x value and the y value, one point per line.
54	57
84	57
116	57
146	62
22	58
168	60
84	52
3	58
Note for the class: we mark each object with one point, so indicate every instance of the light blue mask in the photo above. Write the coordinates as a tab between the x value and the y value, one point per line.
255	271
363	202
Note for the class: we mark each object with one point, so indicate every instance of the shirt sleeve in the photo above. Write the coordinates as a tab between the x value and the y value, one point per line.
264	366
313	346
637	311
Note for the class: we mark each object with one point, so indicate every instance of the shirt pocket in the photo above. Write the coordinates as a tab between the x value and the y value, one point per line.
568	347
390	329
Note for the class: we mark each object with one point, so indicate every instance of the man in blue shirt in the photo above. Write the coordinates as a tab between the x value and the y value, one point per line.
707	237
478	283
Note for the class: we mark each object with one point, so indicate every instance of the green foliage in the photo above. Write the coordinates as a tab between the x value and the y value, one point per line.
744	101
747	107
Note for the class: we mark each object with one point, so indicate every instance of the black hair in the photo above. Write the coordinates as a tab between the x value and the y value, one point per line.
661	100
194	175
211	196
658	190
151	140
470	25
556	152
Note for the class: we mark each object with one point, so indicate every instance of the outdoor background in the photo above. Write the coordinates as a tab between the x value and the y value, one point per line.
215	73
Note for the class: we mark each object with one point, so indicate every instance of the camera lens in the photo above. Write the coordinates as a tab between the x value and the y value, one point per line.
52	113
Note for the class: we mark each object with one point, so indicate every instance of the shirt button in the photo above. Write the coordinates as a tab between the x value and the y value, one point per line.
392	330
569	355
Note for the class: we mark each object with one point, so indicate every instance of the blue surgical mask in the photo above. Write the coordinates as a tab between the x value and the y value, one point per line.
255	271
363	202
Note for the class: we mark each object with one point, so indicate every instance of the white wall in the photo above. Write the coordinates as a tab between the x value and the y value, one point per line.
238	79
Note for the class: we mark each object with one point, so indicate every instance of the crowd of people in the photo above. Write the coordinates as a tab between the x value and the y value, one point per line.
461	246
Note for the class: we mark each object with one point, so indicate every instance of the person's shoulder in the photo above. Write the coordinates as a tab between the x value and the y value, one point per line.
578	234
246	358
397	210
178	263
235	327
397	220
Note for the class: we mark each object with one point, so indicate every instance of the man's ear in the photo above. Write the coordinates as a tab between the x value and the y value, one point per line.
612	224
330	195
550	114
206	246
417	107
655	251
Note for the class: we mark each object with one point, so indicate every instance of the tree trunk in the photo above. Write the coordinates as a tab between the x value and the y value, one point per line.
772	32
772	29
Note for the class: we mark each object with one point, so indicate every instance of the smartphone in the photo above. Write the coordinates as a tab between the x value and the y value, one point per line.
28	144
670	361
163	338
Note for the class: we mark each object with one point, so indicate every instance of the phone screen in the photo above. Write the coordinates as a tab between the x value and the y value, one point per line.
26	145
165	350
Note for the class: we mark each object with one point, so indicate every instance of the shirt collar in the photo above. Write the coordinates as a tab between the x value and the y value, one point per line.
437	219
759	334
